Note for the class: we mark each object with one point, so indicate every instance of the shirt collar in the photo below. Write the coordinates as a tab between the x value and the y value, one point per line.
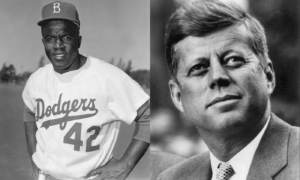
242	160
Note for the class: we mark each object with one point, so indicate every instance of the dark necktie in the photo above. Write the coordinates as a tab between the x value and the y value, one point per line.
225	171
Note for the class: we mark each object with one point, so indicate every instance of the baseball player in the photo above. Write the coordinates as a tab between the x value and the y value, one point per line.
74	107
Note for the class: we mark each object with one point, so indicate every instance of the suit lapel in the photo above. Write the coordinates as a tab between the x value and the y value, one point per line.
204	171
271	154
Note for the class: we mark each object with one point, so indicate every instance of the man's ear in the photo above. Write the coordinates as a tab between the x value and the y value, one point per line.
270	75
176	94
79	41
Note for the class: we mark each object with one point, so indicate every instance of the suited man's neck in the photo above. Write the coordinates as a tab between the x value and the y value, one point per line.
224	146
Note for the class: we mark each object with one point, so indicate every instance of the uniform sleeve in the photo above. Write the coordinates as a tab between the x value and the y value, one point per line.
142	127
27	98
28	116
125	98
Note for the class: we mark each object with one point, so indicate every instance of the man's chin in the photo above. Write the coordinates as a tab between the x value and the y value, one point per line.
60	69
226	121
59	65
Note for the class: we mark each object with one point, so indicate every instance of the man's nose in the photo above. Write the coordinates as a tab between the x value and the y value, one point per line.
218	76
58	43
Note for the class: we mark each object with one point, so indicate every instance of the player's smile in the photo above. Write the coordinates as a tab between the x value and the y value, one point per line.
59	56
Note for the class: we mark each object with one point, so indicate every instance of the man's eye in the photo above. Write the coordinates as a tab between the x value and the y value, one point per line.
198	69
67	38
50	39
234	61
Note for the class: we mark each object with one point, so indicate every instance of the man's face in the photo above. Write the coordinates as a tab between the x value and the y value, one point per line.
61	41
221	83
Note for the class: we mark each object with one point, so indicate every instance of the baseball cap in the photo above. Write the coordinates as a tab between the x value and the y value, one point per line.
60	10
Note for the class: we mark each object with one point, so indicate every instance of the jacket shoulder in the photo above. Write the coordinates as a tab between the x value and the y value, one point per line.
278	153
293	166
185	169
161	161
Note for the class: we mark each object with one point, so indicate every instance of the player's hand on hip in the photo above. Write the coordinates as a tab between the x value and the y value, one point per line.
113	170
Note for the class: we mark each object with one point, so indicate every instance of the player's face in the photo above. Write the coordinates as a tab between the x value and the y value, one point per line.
61	41
221	83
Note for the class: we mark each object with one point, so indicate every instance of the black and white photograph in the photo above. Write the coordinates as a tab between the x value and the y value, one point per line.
78	79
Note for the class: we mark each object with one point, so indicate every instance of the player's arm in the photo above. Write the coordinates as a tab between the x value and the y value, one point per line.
30	131
141	138
120	169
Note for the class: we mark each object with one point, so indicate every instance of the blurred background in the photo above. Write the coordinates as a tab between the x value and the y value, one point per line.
115	31
170	131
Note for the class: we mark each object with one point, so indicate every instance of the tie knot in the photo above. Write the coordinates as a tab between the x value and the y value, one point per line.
225	171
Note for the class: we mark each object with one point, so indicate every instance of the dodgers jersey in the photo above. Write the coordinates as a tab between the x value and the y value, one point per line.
78	115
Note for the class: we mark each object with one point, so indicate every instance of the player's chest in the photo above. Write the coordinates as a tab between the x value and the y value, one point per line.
71	101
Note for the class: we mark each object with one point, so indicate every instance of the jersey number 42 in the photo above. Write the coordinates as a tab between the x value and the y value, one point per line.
77	142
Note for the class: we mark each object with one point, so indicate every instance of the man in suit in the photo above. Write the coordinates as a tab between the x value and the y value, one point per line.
222	79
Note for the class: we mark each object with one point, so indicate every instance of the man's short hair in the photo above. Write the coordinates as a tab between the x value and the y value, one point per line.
204	17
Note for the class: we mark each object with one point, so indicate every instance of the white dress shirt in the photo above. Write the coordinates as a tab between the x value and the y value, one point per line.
242	160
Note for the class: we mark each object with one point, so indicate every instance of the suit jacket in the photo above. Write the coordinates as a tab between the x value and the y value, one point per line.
277	157
161	161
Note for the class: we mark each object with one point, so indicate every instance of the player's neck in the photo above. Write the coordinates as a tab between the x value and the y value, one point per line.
82	60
